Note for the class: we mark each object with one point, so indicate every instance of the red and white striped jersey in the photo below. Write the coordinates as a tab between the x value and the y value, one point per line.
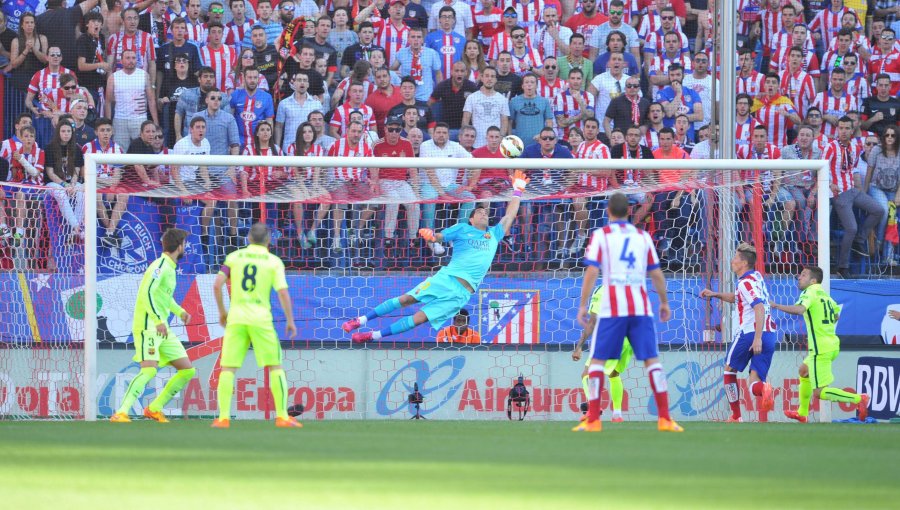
302	173
391	38
368	88
632	9
654	42
836	106
859	87
799	88
810	64
751	290
593	150
531	59
17	172
487	23
822	142
770	25
234	33
564	104
831	61
875	59
169	15
749	12
743	130
752	85
63	103
94	147
341	117
890	65
842	161
551	90
530	16
222	61
624	254
828	22
750	152
772	116
196	32
260	172
499	42
652	22
141	42
660	66
343	148
650	138
782	41
860	43
44	82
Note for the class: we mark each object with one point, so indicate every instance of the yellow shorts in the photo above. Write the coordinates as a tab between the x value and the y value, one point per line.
149	346
819	366
239	338
619	365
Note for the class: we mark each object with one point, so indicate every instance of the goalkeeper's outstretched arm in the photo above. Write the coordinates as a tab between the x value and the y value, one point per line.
519	181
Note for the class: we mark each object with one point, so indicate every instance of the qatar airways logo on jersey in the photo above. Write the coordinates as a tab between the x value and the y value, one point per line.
479	244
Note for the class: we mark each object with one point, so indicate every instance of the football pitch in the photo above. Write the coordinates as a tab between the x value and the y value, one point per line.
445	464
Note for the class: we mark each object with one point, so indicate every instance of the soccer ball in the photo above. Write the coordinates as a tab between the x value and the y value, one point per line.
511	146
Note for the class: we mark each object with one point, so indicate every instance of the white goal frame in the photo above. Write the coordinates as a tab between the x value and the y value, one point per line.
821	169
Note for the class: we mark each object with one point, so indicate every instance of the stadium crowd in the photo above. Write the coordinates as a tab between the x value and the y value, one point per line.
583	79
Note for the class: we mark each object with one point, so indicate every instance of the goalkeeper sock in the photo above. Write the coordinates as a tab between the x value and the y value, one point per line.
136	388
381	310
616	392
805	396
175	384
278	386
404	324
224	392
584	385
838	395
732	392
757	388
595	389
660	390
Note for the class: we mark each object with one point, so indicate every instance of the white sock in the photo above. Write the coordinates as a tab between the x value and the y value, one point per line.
376	335
362	320
617	413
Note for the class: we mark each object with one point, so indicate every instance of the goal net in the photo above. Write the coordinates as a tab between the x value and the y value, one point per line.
346	229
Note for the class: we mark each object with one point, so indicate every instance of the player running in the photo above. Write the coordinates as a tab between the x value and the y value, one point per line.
614	367
253	273
627	256
754	342
154	344
821	314
474	247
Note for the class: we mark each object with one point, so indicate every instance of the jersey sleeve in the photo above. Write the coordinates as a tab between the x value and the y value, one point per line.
805	300
498	231
452	233
170	280
280	281
596	300
593	255
158	298
225	270
749	293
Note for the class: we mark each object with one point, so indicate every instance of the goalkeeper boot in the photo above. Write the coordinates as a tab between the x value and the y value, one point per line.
794	415
359	338
120	418
768	397
664	425
221	423
156	416
288	423
862	409
588	426
351	325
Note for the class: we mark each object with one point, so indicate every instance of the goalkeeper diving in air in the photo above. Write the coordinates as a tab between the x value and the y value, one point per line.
442	295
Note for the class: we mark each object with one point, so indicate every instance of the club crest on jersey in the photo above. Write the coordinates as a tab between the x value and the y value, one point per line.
487	235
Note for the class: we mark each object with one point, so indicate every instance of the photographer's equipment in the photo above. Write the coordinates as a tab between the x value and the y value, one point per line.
518	398
416	399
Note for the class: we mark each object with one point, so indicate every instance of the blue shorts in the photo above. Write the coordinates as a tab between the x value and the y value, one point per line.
442	296
610	334
739	354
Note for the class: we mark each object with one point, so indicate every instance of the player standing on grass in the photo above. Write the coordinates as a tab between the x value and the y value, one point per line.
154	343
474	247
627	256
614	367
253	273
821	314
754	342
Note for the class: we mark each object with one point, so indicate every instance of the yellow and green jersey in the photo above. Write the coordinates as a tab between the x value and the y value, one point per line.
596	299
254	273
155	299
821	319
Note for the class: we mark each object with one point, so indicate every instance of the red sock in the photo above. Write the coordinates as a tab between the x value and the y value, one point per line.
660	389
733	394
757	388
595	388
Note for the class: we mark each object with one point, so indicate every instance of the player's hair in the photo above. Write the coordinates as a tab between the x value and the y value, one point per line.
472	213
259	234
618	205
173	238
816	272
748	253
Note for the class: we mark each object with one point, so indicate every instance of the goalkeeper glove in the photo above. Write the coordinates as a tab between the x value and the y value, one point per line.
427	234
519	181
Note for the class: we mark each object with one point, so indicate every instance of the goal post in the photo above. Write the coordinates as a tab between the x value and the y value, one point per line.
716	175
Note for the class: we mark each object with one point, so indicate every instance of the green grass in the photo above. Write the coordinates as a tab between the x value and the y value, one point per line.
458	465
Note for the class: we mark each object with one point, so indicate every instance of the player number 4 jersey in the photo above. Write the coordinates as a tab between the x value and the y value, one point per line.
751	291
624	254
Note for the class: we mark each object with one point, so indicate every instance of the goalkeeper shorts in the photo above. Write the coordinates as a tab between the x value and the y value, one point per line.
442	296
150	346
619	365
239	338
819	366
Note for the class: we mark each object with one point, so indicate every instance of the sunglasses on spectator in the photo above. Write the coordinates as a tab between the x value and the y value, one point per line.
215	98
287	7
887	37
632	85
510	15
394	130
158	137
70	87
814	116
181	60
890	135
247	56
221	10
549	67
616	13
548	138
519	36
667	18
54	54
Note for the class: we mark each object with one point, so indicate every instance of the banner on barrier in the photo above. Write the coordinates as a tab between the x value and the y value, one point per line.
880	378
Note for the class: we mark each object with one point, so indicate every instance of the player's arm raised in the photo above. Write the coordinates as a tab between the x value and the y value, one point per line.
724	296
519	181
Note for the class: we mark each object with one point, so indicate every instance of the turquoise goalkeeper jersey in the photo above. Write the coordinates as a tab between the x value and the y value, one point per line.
473	251
155	299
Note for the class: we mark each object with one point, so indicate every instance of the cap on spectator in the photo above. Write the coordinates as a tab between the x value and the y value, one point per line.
511	9
393	121
182	54
392	2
